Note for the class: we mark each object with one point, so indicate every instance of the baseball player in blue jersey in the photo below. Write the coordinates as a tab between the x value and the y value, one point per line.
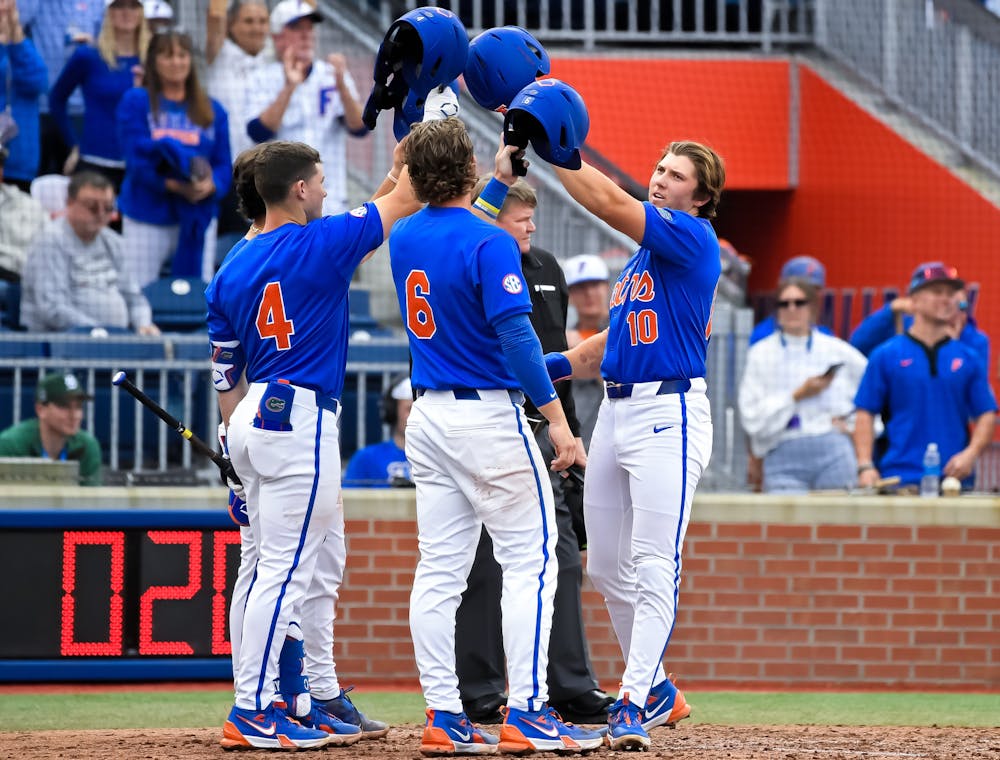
474	460
653	436
278	313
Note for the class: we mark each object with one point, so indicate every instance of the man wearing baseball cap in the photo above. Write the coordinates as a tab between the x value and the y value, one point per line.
927	387
55	431
806	268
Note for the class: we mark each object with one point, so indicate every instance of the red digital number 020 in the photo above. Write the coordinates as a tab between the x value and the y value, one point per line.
115	541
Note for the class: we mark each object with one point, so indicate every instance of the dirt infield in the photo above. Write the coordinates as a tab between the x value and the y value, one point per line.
691	742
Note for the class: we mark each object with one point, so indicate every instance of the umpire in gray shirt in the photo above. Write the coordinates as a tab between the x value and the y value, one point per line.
74	276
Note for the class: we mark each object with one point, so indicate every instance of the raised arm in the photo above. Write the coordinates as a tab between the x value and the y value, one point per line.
605	200
215	29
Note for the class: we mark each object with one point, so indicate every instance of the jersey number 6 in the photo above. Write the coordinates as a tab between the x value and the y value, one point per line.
271	319
419	315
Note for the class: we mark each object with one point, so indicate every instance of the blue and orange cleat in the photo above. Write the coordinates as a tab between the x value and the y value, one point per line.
268	729
527	731
342	708
625	731
448	733
665	705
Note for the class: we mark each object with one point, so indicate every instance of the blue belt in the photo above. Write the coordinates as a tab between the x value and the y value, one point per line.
624	390
471	394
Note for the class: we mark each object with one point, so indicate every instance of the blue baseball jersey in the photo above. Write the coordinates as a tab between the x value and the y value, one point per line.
380	465
283	296
456	277
661	305
924	394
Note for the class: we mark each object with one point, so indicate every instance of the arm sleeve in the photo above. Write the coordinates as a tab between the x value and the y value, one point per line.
765	414
523	352
874	330
31	78
71	77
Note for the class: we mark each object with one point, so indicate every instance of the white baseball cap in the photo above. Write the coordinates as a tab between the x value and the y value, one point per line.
289	11
402	390
585	268
157	9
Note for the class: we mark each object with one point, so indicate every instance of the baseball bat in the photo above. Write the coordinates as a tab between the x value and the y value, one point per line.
120	380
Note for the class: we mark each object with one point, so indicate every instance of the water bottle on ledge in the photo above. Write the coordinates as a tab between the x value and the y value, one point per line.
930	483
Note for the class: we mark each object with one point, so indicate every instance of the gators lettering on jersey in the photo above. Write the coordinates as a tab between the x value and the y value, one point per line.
283	296
456	276
661	305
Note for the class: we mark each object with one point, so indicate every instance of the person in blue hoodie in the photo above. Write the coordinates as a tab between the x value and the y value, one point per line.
23	79
103	72
177	165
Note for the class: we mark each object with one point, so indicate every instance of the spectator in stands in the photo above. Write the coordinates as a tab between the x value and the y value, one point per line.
55	431
237	46
928	388
384	464
590	295
23	80
103	72
177	165
159	15
57	27
796	397
896	317
805	267
21	219
301	98
75	276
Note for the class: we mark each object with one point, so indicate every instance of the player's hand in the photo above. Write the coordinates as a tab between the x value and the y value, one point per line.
399	157
339	63
868	477
813	386
564	444
503	168
441	103
581	454
960	466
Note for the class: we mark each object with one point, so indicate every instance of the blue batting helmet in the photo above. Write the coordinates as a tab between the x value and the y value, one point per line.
422	49
552	116
502	61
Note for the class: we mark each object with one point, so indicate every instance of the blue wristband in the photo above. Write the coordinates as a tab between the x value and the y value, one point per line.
558	366
490	201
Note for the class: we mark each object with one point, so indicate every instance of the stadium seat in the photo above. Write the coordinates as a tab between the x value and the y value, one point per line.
178	303
138	349
50	190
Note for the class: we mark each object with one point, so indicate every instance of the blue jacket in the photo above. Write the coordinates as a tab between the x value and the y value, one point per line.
29	80
102	89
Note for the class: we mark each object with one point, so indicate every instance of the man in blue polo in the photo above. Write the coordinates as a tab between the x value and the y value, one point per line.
928	388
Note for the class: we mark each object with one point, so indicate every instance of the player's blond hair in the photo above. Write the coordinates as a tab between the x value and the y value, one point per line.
709	167
106	39
519	192
441	161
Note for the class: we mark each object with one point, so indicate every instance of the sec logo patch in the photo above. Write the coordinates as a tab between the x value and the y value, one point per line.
360	211
512	284
665	213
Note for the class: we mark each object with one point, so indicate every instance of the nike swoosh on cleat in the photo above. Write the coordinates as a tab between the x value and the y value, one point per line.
269	731
657	709
460	735
547	730
661	428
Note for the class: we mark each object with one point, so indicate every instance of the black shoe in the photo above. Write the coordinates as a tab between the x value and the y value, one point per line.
485	709
589	707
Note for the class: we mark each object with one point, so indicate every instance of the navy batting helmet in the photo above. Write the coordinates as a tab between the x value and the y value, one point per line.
552	116
422	49
502	61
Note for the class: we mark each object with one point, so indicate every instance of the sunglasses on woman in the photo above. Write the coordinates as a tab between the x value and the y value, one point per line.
799	303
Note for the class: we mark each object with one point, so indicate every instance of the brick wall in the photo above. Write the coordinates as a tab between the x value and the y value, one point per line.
814	591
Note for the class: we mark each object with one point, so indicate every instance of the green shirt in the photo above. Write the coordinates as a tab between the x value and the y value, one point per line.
24	440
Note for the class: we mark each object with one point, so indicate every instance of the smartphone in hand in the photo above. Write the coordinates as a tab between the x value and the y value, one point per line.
832	369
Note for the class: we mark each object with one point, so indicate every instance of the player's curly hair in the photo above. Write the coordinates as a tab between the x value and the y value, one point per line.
441	160
711	172
249	203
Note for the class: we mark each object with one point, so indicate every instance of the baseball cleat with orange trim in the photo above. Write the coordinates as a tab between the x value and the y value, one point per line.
665	705
527	731
268	729
625	731
448	733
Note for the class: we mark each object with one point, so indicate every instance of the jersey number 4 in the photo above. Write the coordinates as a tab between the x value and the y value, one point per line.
271	319
419	314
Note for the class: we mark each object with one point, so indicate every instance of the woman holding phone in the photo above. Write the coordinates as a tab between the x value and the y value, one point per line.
796	398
